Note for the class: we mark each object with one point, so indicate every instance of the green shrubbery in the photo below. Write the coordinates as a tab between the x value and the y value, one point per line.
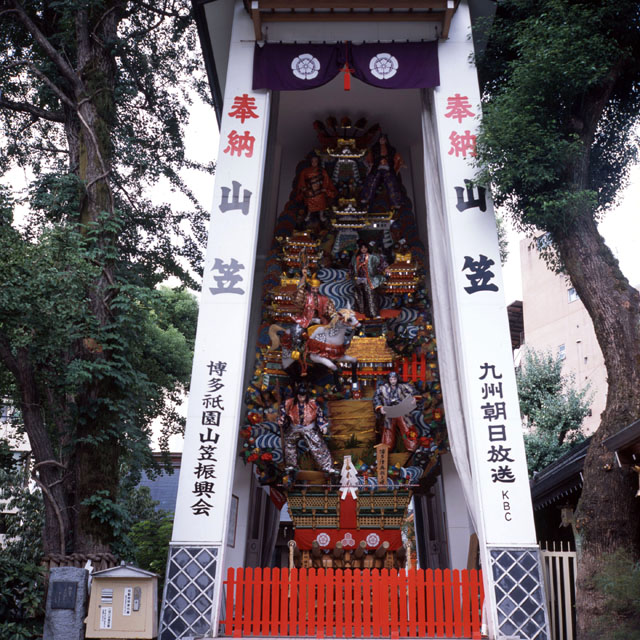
21	576
21	599
619	582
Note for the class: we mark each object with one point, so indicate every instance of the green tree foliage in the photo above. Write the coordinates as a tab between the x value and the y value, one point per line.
21	576
545	60
561	103
151	538
95	97
21	599
552	406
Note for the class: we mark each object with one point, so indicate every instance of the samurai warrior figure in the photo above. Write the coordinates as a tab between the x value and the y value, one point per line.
384	164
317	309
391	394
315	188
367	272
302	419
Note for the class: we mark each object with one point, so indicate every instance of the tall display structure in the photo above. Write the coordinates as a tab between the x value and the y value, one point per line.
347	238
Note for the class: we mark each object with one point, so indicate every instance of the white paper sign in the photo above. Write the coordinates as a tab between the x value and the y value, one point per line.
128	599
106	617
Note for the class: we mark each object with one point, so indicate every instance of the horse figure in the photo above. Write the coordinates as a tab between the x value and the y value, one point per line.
326	344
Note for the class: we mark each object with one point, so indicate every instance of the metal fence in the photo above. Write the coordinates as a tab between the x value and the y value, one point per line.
559	569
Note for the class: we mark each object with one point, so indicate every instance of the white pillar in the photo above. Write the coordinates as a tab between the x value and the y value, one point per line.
488	416
197	554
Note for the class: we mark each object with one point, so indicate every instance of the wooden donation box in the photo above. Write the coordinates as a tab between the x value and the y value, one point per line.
123	604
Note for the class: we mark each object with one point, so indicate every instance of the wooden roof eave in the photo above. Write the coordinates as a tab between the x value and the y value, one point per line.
264	11
626	443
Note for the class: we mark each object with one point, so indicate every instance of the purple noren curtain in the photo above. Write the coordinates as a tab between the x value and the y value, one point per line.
294	67
406	65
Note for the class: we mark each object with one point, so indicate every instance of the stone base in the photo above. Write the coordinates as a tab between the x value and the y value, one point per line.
519	592
66	604
187	603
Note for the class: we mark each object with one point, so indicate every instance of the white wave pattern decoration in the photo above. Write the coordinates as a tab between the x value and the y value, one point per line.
403	324
424	428
273	442
386	302
406	316
411	473
338	286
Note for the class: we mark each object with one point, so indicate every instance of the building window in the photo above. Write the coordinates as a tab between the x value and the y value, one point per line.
573	296
543	242
562	352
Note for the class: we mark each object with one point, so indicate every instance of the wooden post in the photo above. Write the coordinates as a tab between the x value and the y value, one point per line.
338	554
400	557
382	462
293	553
316	554
361	550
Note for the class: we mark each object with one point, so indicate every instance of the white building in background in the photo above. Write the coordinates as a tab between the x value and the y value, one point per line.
556	320
21	451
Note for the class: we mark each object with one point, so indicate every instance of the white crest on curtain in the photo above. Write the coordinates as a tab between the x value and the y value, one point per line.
305	67
383	66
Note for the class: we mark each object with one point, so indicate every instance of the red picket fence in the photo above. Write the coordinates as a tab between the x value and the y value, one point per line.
367	603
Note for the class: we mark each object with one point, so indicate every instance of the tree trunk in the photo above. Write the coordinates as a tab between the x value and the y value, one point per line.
608	514
96	456
50	474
